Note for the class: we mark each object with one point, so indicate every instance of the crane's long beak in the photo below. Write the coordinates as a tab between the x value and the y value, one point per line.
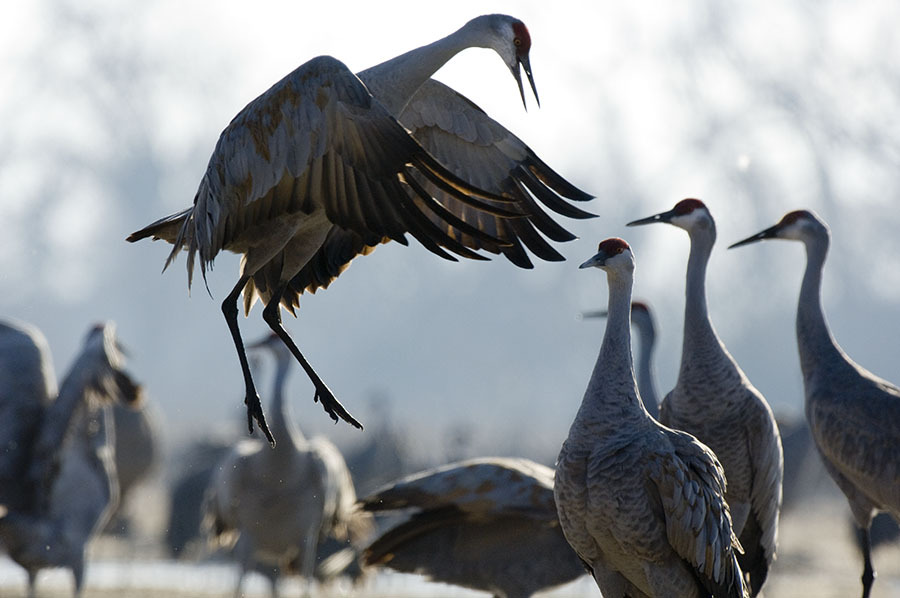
769	233
592	314
661	217
596	261
525	63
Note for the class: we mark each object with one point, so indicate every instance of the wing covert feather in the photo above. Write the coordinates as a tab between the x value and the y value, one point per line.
698	522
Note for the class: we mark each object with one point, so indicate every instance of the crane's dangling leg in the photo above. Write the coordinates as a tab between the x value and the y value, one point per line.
272	316
254	408
868	576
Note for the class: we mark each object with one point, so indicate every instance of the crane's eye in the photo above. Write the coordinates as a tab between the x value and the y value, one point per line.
517	41
620	249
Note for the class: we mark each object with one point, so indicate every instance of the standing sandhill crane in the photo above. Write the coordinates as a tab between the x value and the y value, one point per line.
642	320
713	400
137	452
854	416
271	507
317	170
63	483
487	524
643	505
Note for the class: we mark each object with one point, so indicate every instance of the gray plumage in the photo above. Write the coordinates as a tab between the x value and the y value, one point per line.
643	505
853	415
714	401
58	479
642	320
271	506
137	447
487	524
318	170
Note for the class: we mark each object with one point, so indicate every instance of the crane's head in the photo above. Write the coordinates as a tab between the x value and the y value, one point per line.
522	43
688	214
509	37
613	255
798	225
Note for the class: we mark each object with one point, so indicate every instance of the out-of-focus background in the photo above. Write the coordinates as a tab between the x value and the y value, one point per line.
110	110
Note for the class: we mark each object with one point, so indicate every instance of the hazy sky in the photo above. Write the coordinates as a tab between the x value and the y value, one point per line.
110	111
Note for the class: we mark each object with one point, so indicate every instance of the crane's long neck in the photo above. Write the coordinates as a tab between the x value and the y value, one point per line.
395	81
699	333
815	343
612	386
645	380
284	429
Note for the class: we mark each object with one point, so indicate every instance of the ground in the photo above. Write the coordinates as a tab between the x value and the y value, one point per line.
817	557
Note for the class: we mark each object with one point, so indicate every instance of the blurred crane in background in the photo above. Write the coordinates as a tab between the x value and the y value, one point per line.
487	524
272	506
57	471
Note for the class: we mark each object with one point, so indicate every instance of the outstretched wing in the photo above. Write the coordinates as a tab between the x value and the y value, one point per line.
481	151
698	524
485	487
317	140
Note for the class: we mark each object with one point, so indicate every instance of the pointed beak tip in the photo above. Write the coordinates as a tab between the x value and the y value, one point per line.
743	242
524	64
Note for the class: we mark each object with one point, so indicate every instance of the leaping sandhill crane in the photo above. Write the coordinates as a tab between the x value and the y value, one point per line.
59	480
318	170
486	524
271	507
643	505
854	415
642	321
714	401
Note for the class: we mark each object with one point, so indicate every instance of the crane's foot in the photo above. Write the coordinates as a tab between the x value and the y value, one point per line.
255	412
333	407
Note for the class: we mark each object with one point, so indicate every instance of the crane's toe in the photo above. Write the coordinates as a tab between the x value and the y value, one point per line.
333	407
255	412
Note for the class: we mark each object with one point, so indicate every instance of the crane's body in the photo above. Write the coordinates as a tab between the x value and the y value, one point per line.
318	170
853	415
60	483
488	524
643	505
715	401
272	506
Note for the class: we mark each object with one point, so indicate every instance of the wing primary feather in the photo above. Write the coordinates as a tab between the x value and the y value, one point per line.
448	182
540	219
535	242
548	197
552	179
421	227
491	243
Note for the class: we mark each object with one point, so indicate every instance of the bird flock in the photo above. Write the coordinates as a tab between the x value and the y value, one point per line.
678	497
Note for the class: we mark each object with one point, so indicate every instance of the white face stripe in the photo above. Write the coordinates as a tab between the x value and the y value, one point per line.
692	218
